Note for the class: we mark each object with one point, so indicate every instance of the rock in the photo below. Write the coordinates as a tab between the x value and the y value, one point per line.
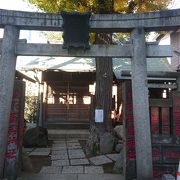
118	130
118	166
36	137
119	147
92	145
168	177
106	143
120	141
26	162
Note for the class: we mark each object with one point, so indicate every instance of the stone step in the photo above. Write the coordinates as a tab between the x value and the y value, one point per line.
65	125
72	177
54	134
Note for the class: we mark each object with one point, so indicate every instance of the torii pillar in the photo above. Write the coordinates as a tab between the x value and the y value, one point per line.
141	106
7	76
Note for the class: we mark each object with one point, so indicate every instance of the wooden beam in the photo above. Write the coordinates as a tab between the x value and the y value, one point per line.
153	21
154	74
162	86
116	51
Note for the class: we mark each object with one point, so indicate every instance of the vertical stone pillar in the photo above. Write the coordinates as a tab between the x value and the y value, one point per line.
141	106
178	83
7	76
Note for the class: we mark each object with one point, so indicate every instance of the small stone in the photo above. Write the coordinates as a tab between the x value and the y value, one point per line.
119	162
75	162
106	143
118	130
168	177
94	170
72	170
64	162
119	147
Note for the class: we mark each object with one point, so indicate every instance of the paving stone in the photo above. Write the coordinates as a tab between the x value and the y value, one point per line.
60	151
50	177
72	170
112	156
34	153
100	177
63	162
76	153
51	169
59	156
94	170
75	162
100	160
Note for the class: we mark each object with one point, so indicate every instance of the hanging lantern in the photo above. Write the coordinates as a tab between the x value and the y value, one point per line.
75	30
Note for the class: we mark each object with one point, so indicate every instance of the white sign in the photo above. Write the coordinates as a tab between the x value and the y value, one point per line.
99	115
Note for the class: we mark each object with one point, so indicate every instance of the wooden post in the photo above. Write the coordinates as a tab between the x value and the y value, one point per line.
141	106
7	76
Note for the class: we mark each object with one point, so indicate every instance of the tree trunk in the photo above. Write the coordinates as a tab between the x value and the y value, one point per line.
104	78
103	96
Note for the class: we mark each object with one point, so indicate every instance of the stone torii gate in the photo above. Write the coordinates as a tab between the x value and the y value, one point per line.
138	50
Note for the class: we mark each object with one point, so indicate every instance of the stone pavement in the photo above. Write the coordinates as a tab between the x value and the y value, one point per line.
72	177
69	162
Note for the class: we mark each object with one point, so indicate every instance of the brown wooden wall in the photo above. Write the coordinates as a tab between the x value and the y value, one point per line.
73	113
